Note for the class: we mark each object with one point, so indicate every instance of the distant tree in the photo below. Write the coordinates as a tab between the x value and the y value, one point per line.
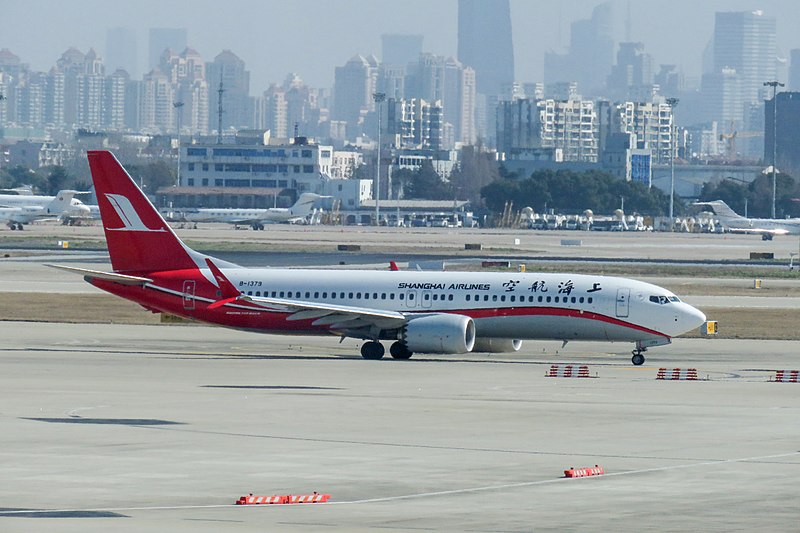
476	169
57	179
427	184
153	175
757	194
573	192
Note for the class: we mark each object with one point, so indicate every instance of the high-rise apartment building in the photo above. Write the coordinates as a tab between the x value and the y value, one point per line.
484	43
354	85
794	70
229	69
187	73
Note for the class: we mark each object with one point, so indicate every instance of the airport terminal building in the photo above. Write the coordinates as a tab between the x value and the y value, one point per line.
259	172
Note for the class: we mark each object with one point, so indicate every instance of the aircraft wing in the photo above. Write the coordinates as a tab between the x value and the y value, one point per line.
336	316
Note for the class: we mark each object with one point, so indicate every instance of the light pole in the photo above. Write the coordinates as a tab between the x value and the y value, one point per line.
774	85
378	98
672	102
179	110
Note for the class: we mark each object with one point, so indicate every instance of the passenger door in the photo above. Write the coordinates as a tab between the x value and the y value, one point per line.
188	294
623	299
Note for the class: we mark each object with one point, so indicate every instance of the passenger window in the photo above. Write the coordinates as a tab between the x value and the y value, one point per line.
402	296
450	297
374	295
249	293
589	299
513	298
468	297
325	295
540	299
548	299
258	293
435	296
556	299
333	295
308	295
427	296
391	296
358	296
282	294
316	295
350	295
485	297
383	296
580	300
494	297
274	293
411	296
503	298
366	296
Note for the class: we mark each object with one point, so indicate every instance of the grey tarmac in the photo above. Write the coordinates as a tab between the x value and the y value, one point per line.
131	428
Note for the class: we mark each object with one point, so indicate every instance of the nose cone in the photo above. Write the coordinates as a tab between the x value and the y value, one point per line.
689	318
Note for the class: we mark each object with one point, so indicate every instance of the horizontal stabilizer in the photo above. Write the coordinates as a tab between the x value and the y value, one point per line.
122	279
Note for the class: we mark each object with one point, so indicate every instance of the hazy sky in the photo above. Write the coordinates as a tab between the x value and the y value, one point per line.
311	37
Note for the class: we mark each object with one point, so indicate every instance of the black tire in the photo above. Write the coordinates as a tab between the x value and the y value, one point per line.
637	359
399	350
372	350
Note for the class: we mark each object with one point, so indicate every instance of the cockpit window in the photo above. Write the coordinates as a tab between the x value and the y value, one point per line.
661	300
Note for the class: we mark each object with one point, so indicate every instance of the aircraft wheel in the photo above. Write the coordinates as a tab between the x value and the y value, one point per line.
261	227
637	359
19	226
399	350
372	350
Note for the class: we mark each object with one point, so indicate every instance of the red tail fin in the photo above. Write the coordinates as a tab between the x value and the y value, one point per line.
139	240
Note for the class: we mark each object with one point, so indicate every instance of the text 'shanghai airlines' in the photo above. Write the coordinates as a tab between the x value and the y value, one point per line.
427	312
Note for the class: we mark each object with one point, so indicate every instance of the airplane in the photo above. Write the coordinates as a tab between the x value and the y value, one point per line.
419	311
19	209
256	218
766	227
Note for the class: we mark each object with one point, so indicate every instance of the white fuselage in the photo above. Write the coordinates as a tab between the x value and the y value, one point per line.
502	305
242	216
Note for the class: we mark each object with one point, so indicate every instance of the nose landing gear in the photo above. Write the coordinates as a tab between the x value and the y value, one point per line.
638	357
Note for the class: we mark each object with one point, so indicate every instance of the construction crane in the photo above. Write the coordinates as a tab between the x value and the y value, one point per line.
730	140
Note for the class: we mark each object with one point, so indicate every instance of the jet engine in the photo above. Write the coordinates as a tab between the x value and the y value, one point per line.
494	345
440	333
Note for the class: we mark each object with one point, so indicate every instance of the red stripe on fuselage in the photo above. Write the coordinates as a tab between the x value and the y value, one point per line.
250	316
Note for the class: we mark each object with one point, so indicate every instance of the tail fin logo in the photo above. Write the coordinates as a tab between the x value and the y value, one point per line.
128	215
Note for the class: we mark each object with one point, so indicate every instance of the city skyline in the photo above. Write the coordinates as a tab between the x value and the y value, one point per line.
301	41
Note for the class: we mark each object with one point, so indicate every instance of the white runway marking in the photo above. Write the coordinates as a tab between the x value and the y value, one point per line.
417	495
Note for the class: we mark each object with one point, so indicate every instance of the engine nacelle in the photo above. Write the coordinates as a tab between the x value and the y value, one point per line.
440	333
494	345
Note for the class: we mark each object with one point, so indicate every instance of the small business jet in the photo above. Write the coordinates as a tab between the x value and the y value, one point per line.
19	209
256	218
418	311
766	227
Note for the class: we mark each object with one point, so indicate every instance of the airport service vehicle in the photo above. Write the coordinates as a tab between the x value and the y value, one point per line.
19	209
256	218
766	227
418	311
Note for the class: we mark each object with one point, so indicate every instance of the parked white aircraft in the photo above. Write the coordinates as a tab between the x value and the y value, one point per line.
419	311
256	218
19	209
766	227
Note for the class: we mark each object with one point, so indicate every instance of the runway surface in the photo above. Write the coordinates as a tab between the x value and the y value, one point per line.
131	428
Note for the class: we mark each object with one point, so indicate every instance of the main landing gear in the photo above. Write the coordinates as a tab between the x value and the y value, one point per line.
374	350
